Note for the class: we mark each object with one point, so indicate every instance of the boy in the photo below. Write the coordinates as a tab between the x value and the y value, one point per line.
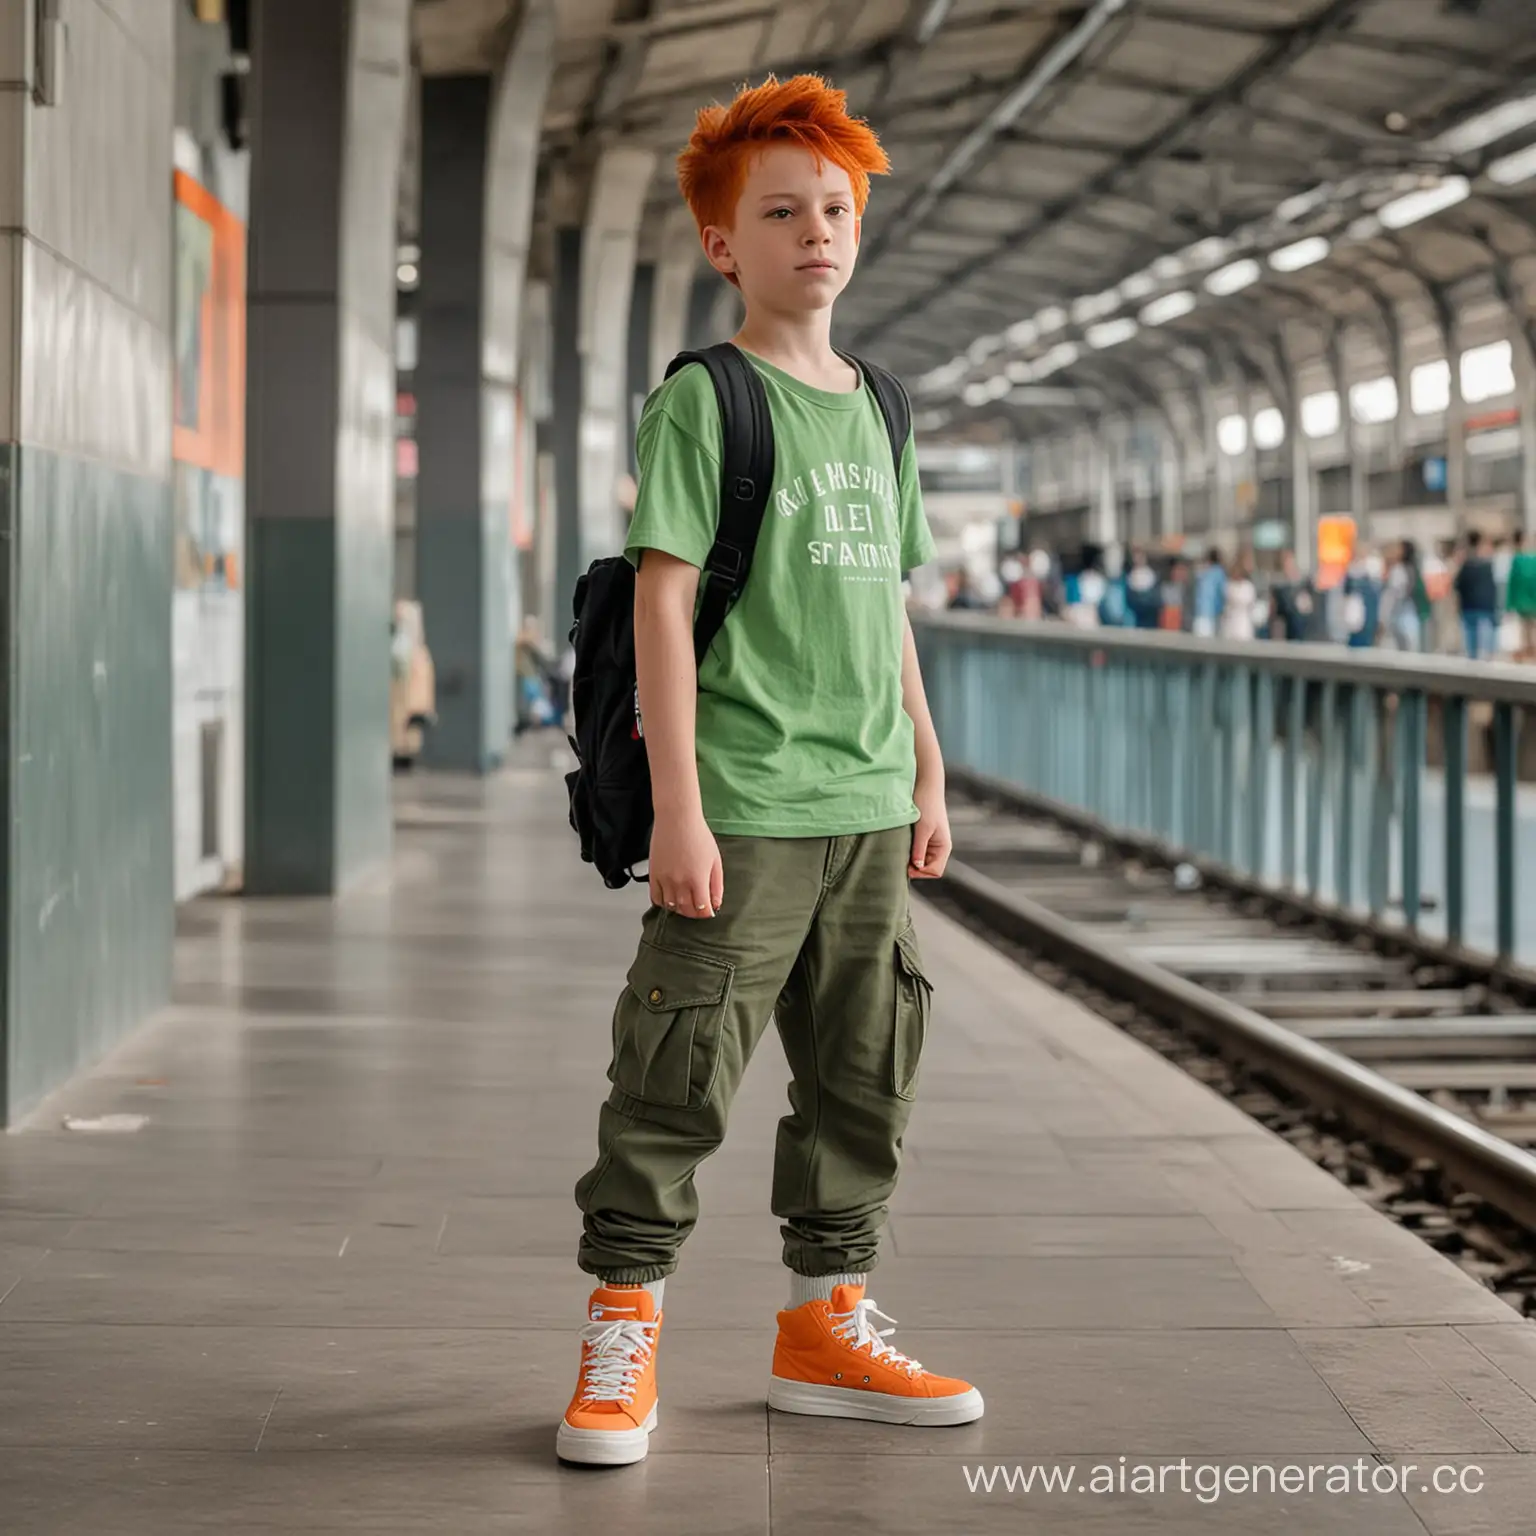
797	787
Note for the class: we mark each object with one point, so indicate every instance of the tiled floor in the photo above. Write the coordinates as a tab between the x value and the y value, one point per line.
329	1286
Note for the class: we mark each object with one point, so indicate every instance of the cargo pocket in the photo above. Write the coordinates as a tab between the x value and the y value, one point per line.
914	997
667	1027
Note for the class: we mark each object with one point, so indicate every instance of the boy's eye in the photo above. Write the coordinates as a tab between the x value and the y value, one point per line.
780	213
837	208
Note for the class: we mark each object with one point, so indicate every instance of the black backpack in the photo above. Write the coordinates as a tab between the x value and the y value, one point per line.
611	786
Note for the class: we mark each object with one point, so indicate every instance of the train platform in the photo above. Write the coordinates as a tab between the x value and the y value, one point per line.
328	1282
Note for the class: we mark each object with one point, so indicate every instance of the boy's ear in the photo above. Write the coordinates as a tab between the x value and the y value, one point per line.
717	251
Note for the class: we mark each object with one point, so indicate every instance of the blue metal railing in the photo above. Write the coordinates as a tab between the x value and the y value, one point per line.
1307	769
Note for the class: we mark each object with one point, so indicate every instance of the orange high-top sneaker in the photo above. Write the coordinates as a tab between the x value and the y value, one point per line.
613	1411
832	1359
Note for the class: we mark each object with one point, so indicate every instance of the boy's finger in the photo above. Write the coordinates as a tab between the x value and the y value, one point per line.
716	885
920	840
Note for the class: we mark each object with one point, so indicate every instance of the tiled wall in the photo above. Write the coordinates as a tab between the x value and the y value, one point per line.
85	513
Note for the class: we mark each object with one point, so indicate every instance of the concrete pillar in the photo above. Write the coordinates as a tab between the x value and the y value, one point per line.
1525	390
86	539
1172	469
327	112
637	372
535	360
678	261
463	435
1104	521
1303	492
702	293
617	198
564	434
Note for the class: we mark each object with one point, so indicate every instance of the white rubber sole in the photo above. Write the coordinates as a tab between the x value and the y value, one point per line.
882	1407
605	1447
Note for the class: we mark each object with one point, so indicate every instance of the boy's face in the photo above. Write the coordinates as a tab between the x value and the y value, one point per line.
795	236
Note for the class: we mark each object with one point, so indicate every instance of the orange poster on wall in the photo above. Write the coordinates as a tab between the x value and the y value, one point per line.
209	426
1335	549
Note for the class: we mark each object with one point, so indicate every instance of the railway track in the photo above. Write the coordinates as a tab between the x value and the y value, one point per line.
1412	1080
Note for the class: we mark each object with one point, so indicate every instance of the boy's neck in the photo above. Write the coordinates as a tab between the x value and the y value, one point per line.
801	345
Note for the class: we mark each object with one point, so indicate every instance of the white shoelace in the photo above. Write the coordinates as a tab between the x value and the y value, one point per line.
857	1328
620	1351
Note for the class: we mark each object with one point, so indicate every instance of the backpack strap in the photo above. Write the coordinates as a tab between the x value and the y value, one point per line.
891	396
746	481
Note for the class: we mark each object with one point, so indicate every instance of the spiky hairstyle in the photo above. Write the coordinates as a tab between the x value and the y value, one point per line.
803	110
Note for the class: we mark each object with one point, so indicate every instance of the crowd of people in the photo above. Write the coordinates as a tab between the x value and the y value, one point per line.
1475	597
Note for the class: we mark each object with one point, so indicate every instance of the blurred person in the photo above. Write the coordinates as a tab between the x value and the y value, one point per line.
1477	595
966	598
1143	591
1520	595
1405	606
1210	593
1242	598
1085	594
1032	588
1174	595
1363	588
536	672
1293	601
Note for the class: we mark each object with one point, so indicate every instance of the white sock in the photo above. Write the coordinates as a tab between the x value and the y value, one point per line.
655	1287
804	1288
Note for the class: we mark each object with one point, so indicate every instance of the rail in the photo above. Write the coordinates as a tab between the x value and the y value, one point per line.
1309	771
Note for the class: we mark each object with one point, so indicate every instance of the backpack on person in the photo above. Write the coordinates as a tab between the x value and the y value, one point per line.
610	788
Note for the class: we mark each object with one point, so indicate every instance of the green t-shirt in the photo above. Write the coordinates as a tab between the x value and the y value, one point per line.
801	730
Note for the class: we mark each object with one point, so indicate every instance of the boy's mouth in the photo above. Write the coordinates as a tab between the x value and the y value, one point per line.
816	266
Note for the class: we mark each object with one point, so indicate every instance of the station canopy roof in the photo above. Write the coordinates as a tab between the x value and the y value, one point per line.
1098	196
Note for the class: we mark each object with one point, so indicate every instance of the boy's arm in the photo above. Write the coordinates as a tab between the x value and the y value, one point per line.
931	842
685	873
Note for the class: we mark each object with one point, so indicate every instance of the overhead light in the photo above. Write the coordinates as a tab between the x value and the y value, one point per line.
1304	253
1169	267
1374	400
1207	253
1298	207
1446	193
1051	319
1024	334
1170	307
1020	372
1268	428
1366	227
408	253
1110	333
1232	435
976	394
1320	414
1396	122
1429	388
1062	355
1234	278
407	274
983	348
1489	127
1515	168
1141	285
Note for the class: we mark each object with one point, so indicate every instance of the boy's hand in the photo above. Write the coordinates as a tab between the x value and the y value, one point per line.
931	842
686	875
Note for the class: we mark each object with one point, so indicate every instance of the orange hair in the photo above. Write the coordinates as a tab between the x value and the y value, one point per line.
804	110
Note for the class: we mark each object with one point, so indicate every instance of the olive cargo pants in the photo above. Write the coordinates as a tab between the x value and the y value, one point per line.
817	933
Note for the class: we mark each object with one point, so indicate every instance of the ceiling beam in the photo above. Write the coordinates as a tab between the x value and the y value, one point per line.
1276	56
1040	73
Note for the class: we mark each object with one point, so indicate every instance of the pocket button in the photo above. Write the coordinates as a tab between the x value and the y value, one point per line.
655	996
